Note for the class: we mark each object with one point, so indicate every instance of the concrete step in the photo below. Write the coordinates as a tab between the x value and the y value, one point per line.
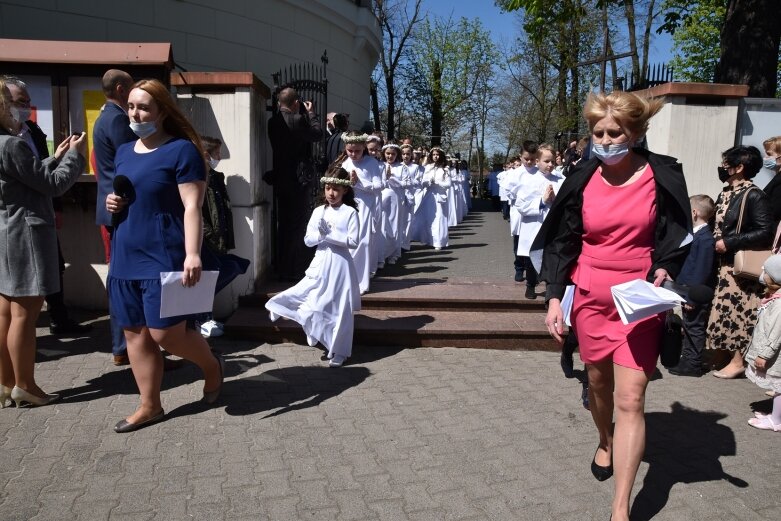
408	328
432	295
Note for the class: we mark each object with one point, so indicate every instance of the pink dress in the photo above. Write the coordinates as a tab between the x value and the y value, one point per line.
618	238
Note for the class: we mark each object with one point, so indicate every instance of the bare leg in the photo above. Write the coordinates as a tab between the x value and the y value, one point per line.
7	377
190	345
629	435
21	341
146	361
600	390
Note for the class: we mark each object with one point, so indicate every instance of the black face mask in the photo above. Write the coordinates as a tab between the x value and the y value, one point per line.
723	174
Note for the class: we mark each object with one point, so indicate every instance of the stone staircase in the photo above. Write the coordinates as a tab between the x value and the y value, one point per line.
419	313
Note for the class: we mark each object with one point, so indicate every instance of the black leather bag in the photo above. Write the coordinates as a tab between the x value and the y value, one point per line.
672	340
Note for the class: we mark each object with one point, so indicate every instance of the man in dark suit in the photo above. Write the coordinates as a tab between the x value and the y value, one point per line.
334	146
292	130
697	270
111	130
59	321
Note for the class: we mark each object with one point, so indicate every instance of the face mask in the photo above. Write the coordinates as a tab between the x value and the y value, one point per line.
611	154
213	163
15	114
723	174
143	129
769	162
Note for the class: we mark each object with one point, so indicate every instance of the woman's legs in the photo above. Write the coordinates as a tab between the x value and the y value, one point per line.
146	362
20	341
7	377
629	434
190	345
600	390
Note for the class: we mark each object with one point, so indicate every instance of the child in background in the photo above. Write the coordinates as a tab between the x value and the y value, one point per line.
326	298
697	270
762	356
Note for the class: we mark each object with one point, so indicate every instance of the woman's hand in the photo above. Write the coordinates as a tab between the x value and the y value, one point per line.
760	364
720	246
115	203
555	320
62	148
79	143
660	275
191	273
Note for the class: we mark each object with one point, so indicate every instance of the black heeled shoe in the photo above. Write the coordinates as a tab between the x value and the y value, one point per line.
600	472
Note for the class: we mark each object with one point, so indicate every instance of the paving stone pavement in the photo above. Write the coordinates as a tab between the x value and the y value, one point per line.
398	434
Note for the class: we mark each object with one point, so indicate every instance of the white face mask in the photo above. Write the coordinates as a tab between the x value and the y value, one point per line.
213	163
15	114
24	114
611	154
144	128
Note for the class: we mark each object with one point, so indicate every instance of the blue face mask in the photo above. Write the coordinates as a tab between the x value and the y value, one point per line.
143	129
610	154
769	162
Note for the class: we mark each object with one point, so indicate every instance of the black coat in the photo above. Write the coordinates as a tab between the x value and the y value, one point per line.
291	135
757	230
773	191
559	242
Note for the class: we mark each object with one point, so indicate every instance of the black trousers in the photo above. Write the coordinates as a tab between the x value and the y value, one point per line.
55	302
694	325
293	256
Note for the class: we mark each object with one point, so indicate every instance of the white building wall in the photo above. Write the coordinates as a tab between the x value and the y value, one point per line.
259	36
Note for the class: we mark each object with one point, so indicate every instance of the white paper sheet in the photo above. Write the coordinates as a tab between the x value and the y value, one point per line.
638	299
177	299
566	303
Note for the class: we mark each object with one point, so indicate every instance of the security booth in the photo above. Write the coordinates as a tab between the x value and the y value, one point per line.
64	83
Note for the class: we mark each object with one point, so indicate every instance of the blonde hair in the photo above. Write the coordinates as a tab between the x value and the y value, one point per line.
773	144
3	100
175	122
703	204
629	110
546	146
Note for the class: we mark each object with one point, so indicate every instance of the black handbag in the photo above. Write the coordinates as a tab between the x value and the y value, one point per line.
672	340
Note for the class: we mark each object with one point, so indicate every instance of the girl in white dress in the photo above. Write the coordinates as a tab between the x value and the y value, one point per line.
430	226
410	175
365	172
326	298
392	197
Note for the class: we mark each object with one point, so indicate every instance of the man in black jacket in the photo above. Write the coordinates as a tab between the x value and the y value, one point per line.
25	128
292	130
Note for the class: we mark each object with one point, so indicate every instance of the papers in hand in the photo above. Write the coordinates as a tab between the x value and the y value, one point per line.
177	299
638	299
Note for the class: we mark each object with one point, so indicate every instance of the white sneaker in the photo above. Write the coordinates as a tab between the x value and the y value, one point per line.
337	361
211	329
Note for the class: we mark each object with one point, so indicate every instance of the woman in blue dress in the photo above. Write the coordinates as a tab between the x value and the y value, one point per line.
159	228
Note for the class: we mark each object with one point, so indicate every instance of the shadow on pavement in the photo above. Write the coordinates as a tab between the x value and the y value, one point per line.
285	389
683	446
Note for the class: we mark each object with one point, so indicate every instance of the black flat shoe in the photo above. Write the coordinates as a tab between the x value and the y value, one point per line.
125	426
600	472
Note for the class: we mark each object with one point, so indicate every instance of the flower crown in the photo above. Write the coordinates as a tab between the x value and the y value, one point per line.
390	145
335	181
353	140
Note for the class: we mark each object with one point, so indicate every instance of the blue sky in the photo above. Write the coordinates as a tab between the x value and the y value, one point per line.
503	26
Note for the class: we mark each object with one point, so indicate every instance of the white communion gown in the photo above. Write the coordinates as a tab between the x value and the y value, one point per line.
390	214
368	186
326	298
430	222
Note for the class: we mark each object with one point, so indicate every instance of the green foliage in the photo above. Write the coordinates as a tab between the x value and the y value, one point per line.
696	30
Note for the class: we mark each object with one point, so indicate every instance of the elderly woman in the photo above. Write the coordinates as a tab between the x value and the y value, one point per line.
29	268
736	299
643	236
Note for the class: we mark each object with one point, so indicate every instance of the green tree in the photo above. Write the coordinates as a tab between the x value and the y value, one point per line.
696	33
449	59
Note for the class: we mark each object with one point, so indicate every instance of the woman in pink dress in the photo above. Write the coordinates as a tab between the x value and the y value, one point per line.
644	235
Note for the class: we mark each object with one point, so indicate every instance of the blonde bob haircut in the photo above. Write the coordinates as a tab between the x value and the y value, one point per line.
175	123
773	144
629	110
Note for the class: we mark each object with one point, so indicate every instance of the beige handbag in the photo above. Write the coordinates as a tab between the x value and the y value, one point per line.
748	263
